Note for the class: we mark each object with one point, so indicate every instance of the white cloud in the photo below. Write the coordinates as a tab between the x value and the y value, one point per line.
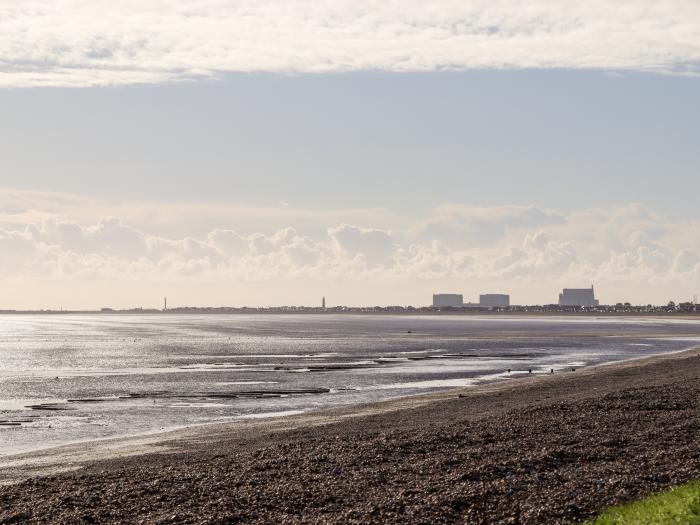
84	43
628	252
539	256
375	247
686	261
108	236
16	248
469	225
227	242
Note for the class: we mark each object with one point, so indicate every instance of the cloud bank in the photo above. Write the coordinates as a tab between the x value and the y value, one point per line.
54	254
98	42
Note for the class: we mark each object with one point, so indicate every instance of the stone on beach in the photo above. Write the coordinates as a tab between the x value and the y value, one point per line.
552	449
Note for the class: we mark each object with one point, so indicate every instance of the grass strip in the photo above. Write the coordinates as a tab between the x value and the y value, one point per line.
680	505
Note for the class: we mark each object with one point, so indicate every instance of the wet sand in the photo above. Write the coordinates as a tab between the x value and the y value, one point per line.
547	449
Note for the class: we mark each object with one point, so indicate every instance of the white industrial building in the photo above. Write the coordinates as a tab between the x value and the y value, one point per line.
494	299
578	297
443	300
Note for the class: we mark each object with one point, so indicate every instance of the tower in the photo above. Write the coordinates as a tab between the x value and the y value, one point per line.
165	303
323	303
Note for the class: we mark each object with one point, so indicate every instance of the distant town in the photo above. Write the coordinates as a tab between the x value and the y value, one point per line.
571	301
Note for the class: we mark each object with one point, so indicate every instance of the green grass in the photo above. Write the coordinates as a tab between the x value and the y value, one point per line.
680	505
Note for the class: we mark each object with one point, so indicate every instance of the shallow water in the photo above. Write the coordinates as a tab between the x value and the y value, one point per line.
67	378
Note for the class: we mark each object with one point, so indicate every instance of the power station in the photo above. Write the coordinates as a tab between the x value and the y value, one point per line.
578	297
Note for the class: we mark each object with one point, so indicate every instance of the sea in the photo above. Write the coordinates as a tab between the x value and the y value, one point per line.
73	378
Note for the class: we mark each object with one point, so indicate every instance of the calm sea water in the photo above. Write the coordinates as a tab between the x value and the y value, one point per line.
67	378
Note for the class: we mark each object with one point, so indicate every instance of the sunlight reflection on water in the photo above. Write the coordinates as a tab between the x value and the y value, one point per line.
95	376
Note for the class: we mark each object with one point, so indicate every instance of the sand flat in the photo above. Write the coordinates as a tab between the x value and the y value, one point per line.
72	456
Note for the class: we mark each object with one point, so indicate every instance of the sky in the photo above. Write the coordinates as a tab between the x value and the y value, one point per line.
270	153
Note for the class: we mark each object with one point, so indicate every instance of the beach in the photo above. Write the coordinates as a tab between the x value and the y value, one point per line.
547	449
83	378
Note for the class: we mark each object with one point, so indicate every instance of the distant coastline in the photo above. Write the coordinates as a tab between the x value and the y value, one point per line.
690	310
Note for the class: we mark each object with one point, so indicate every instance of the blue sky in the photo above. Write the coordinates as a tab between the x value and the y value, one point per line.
266	152
406	141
